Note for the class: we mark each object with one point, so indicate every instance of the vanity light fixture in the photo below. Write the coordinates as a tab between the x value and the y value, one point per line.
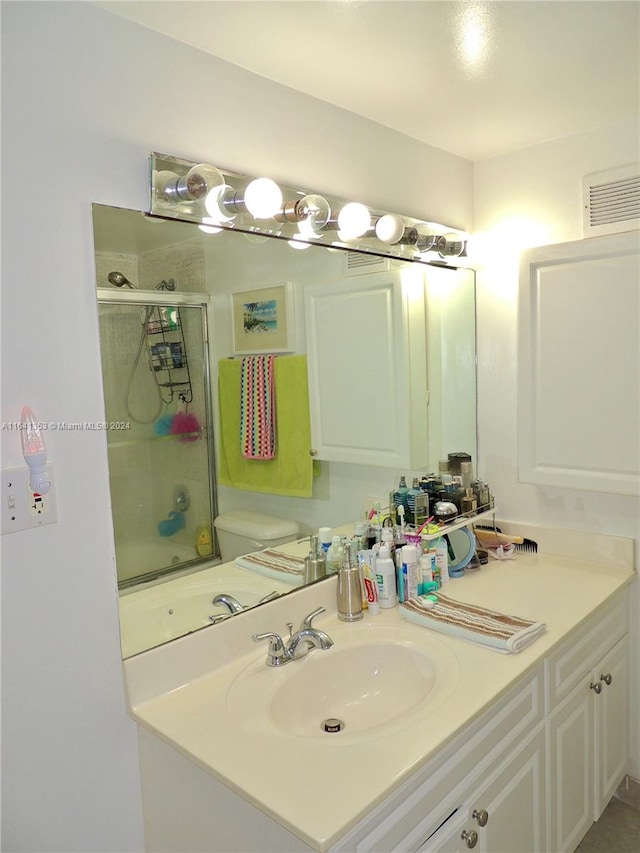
219	199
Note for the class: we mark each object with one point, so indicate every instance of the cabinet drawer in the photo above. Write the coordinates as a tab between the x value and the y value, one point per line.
571	663
428	799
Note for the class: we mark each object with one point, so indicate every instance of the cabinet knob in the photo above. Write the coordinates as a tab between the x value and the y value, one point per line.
596	686
608	678
481	815
313	452
469	838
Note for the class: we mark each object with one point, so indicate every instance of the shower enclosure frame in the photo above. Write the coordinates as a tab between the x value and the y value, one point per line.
147	298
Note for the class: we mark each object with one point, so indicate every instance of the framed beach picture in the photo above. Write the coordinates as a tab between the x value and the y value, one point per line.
263	319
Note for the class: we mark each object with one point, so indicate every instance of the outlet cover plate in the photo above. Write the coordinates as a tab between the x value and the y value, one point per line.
22	509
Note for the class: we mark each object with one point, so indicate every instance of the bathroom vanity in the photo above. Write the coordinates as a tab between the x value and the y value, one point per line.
500	752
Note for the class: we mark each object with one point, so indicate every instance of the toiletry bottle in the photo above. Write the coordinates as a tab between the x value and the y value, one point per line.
442	560
401	496
409	570
204	543
427	564
389	540
466	472
435	568
411	499
324	535
359	539
469	503
335	555
457	492
315	563
349	592
386	578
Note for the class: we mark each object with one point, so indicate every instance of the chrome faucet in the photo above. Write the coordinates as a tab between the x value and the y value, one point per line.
228	601
300	643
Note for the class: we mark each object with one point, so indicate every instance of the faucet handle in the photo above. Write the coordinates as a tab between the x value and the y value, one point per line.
306	622
277	654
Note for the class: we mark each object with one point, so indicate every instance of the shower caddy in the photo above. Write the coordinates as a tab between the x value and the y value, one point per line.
167	352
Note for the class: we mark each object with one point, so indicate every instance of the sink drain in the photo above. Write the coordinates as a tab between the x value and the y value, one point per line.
332	724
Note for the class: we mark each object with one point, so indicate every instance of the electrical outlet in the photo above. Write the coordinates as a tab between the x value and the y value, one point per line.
22	508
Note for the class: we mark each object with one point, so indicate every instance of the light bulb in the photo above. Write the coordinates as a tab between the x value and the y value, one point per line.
34	451
263	198
218	202
354	220
297	242
390	229
209	225
199	181
316	212
196	184
425	240
450	245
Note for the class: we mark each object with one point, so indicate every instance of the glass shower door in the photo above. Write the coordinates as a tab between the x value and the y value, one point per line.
155	366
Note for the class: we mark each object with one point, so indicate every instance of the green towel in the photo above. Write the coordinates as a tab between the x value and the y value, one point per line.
291	471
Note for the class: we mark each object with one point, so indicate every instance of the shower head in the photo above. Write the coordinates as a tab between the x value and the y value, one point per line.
117	279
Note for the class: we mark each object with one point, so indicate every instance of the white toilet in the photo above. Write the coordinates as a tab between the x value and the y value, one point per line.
241	531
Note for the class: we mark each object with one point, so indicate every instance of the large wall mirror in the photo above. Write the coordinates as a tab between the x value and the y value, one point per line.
176	305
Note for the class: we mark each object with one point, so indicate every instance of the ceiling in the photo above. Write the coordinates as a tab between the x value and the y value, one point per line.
477	79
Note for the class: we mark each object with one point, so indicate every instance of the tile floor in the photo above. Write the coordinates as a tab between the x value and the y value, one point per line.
617	831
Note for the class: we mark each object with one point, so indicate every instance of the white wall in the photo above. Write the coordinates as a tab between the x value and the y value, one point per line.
529	198
86	97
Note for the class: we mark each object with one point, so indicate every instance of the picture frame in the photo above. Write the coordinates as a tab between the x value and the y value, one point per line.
263	320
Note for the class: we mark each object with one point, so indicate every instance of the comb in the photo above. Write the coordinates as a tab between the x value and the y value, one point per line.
527	546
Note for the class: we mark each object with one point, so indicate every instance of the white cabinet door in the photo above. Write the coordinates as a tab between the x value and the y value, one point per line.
579	365
366	355
588	748
514	803
571	764
507	814
612	733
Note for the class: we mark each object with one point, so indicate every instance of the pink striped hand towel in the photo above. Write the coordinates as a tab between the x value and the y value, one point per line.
257	407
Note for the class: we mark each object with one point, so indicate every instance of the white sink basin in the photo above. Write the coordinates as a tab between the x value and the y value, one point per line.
372	681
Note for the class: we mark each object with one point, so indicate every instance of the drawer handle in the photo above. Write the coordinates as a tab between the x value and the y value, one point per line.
608	678
482	816
469	838
596	686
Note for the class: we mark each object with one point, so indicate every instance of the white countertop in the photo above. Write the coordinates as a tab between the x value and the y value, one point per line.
178	692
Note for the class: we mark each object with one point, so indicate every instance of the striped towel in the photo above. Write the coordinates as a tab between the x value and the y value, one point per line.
257	407
274	564
487	627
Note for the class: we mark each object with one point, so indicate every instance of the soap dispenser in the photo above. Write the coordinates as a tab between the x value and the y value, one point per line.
349	590
315	564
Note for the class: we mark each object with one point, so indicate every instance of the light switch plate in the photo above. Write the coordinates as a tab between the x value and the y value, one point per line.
21	508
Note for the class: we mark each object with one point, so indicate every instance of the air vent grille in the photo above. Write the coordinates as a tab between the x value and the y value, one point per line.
611	201
358	262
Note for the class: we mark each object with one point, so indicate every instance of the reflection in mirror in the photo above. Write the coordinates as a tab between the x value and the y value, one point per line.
173	307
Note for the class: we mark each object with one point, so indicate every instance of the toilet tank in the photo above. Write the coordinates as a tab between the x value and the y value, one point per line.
241	531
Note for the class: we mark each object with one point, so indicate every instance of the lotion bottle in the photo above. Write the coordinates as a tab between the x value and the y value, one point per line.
386	578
